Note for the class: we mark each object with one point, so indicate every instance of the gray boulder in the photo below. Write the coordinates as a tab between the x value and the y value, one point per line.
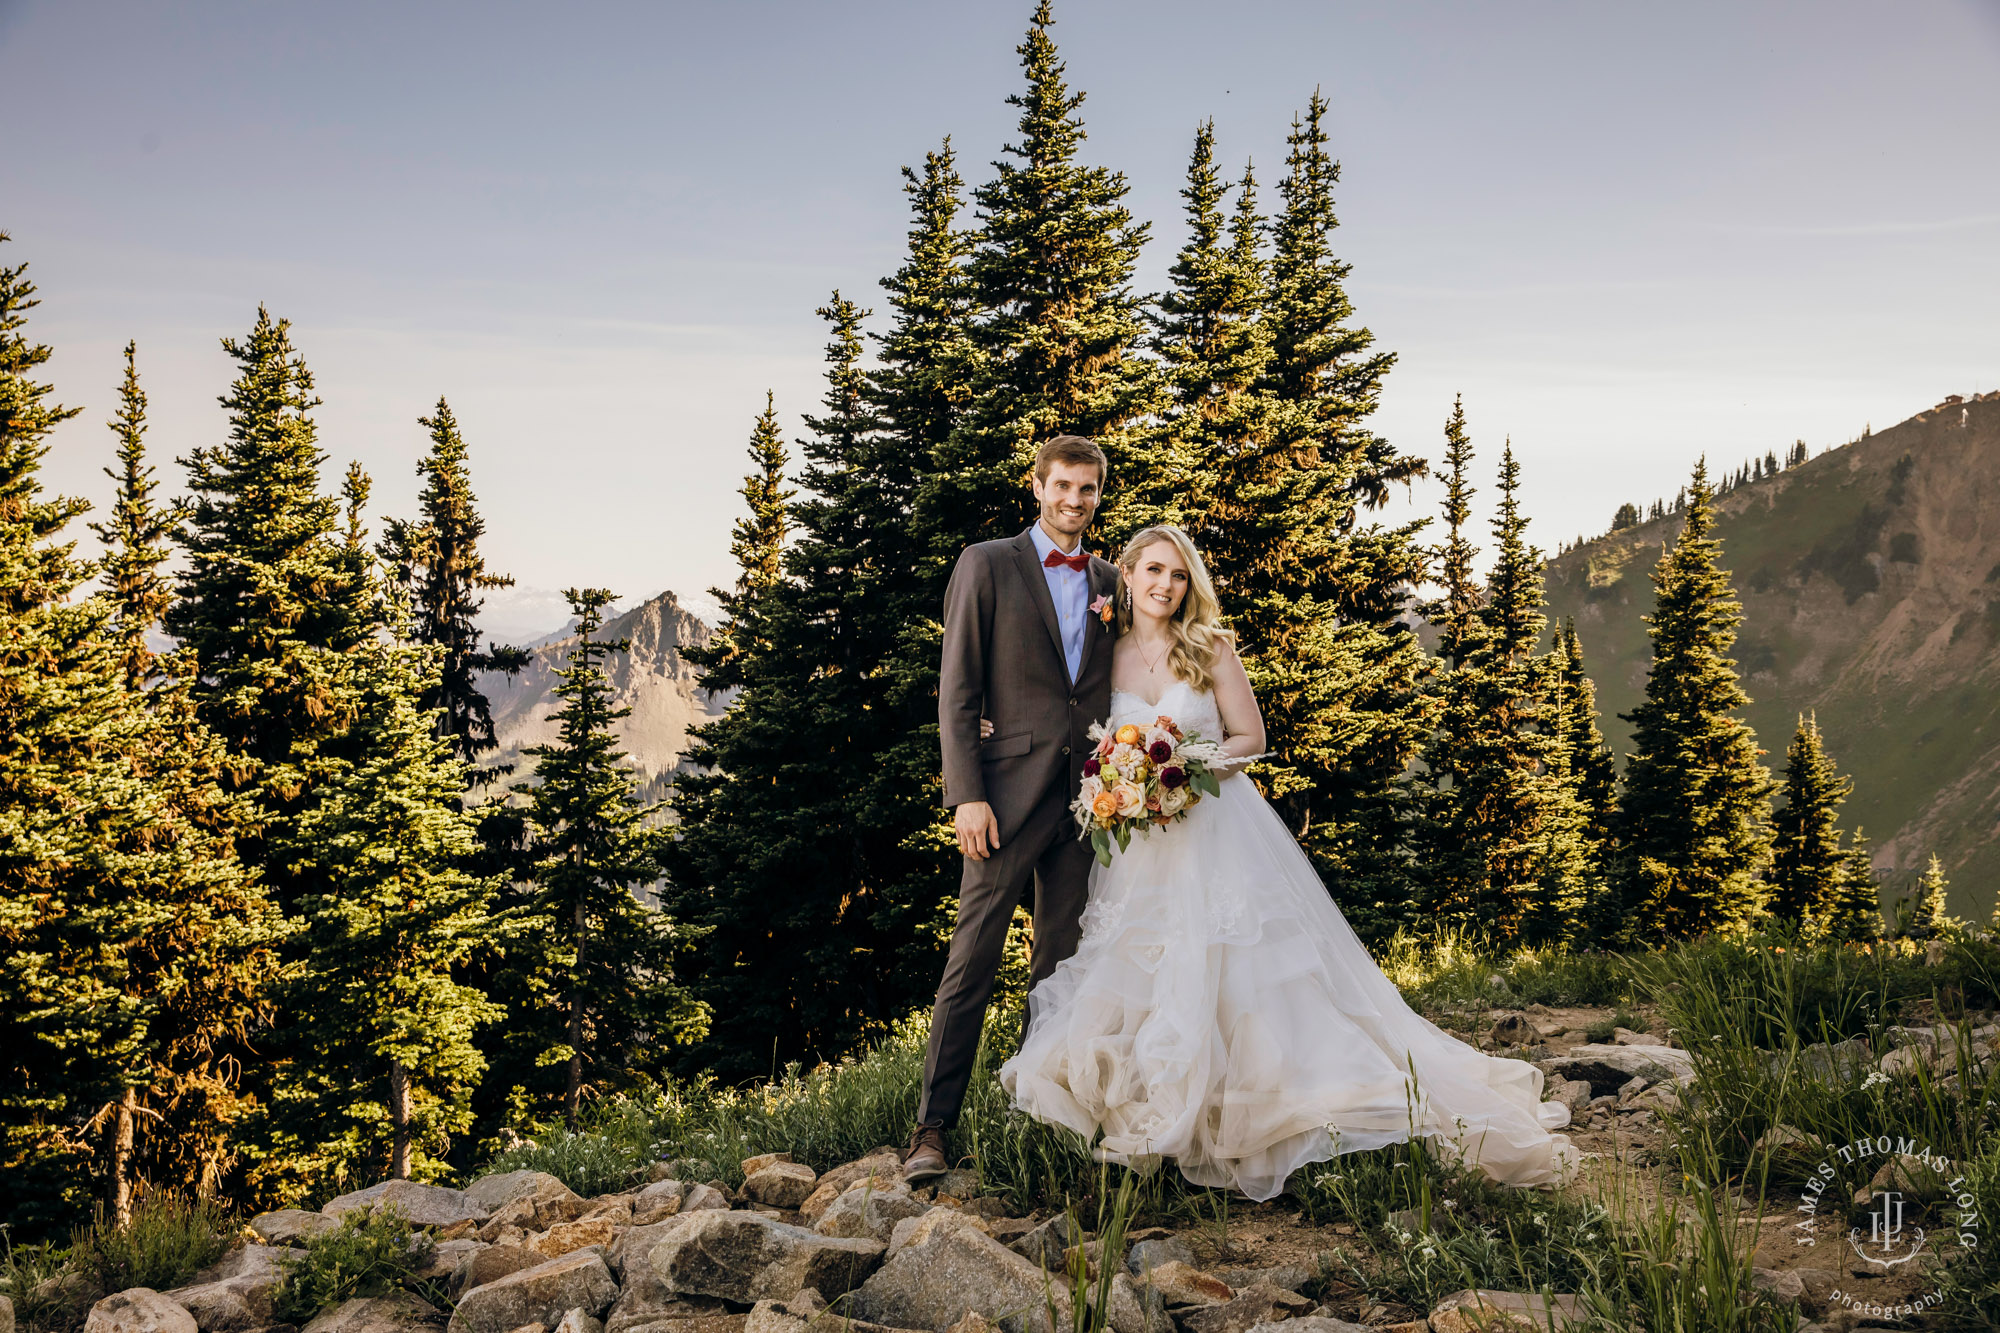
539	1295
138	1310
234	1294
399	1312
956	1271
1314	1323
530	1200
657	1202
884	1165
780	1184
1607	1068
870	1209
290	1226
6	1315
1483	1311
1258	1305
424	1205
490	1263
1142	1256
747	1257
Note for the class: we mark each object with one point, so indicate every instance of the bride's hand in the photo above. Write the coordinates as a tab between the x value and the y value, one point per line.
985	728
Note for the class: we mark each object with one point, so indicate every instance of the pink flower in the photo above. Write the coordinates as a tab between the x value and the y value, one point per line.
1102	606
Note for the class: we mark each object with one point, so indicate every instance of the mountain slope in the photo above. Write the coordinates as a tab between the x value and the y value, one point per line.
1870	581
662	688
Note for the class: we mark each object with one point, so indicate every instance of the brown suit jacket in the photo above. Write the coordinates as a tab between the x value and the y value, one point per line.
1003	659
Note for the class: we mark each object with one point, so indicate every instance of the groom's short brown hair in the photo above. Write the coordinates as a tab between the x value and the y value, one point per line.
1071	449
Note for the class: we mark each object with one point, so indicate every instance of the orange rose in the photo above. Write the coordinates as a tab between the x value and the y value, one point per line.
1128	735
1104	805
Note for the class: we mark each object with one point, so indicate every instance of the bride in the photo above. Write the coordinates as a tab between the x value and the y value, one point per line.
1219	1010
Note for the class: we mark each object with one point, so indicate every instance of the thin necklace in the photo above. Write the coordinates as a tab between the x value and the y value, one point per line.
1152	667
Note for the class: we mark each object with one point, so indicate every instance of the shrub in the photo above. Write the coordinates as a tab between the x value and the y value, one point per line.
371	1253
167	1241
47	1295
589	1163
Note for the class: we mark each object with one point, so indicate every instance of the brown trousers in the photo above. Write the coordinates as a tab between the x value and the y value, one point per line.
1046	850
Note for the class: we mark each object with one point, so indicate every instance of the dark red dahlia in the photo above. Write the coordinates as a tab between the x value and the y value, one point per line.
1173	777
1160	752
1090	767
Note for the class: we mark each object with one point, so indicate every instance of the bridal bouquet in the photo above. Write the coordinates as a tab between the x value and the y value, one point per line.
1142	778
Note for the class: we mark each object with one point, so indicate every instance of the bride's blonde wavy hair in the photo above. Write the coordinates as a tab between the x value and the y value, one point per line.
1197	625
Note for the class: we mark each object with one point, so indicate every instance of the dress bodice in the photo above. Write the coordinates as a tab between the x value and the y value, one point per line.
1194	711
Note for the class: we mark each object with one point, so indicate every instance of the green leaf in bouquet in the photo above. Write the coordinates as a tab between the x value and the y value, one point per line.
1204	781
1100	842
1124	832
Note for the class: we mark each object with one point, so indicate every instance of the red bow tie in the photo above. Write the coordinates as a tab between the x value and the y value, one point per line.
1079	562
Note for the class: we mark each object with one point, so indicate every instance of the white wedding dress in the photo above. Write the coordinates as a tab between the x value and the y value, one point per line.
1220	1011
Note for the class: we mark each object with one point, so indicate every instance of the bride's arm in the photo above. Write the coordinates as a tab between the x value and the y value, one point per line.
1242	720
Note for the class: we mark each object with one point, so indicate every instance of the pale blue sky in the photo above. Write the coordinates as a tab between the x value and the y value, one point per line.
1627	232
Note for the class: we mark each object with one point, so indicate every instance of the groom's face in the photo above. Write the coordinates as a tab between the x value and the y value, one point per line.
1068	497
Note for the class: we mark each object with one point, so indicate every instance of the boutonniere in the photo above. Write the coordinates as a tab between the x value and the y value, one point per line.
1102	606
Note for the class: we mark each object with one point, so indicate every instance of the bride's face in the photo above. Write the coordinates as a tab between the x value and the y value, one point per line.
1159	582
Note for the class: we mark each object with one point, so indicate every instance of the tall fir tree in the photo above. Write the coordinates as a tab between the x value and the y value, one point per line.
135	536
1593	772
1213	346
785	847
1059	331
1926	916
757	541
437	562
1807	861
1855	910
1693	827
383	1064
1316	597
274	594
134	944
608	962
1506	841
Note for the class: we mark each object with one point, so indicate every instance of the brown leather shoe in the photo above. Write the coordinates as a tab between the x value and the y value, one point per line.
925	1159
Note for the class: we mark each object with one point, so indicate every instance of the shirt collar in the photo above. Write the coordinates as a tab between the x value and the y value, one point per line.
1045	543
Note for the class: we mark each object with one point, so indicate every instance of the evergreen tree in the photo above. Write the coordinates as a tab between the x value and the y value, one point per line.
134	945
1806	857
1693	820
610	957
1926	917
1507	846
758	542
436	561
1626	517
383	1062
274	594
1056	345
1316	599
1593	771
135	537
782	847
1855	910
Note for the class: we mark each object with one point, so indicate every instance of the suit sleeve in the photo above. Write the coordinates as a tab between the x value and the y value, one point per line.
968	632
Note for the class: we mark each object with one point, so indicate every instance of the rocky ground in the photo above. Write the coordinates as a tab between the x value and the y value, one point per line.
855	1248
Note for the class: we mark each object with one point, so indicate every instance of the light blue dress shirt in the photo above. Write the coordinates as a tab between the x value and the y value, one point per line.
1070	588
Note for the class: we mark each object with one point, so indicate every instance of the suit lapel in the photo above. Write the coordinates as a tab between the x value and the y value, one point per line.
1030	570
1097	638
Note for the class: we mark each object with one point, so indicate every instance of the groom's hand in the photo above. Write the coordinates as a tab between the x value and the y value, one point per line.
978	830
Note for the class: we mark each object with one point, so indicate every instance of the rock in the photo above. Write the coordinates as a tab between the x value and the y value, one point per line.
1258	1305
490	1264
233	1294
290	1226
1627	1037
495	1192
1500	1311
578	1321
6	1315
448	1256
1405	1219
884	1164
539	1295
746	1258
1902	1060
564	1237
1788	1141
395	1313
1632	1087
956	1270
1825	1061
1607	1068
1321	1323
752	1165
1289	1276
986	1206
657	1202
423	1205
1133	1308
1182	1284
138	1310
920	1230
959	1184
784	1184
869	1209
1513	1030
1154	1252
703	1196
1571	1092
1044	1245
1783	1284
1905	1172
612	1207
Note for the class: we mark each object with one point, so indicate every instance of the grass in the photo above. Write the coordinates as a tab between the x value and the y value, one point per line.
373	1252
167	1241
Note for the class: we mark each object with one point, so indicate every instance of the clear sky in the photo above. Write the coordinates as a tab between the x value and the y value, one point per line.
1628	233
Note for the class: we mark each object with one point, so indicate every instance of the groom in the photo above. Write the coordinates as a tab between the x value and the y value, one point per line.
1023	648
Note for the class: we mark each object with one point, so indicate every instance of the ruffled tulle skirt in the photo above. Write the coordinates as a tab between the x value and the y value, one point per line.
1220	1011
